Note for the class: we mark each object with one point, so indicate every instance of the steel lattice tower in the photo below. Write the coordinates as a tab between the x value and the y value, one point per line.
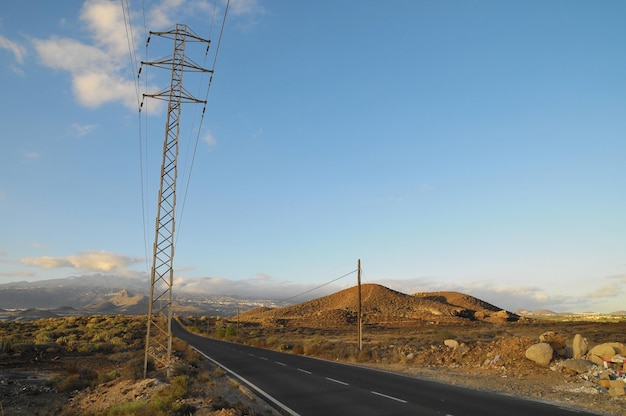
159	326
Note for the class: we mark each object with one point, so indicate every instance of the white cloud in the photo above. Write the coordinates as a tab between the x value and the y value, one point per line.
18	51
32	155
262	286
101	69
209	139
46	262
161	16
258	133
96	88
606	291
83	129
245	7
508	297
17	274
97	70
91	261
105	19
621	277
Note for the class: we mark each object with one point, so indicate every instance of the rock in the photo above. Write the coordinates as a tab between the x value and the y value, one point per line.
618	347
616	388
601	351
502	316
579	346
451	343
540	353
556	341
578	365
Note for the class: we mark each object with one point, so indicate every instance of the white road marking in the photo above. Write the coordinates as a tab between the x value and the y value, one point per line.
263	358
304	371
257	389
389	397
279	363
337	381
251	355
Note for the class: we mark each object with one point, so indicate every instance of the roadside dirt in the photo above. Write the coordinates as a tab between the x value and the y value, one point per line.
489	356
28	390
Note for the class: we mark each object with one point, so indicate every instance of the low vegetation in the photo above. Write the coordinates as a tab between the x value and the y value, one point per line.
94	354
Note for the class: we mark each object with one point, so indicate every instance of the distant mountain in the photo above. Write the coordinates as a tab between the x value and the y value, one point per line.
101	281
381	304
538	312
105	294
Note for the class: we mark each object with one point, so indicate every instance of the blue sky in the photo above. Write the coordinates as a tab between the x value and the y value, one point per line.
475	146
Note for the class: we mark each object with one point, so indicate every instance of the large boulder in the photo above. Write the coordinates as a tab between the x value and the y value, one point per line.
618	347
540	353
556	341
605	351
579	346
577	365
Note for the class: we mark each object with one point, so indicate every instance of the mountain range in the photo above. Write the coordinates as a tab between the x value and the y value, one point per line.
111	294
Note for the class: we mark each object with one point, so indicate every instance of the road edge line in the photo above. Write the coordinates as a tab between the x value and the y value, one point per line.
275	402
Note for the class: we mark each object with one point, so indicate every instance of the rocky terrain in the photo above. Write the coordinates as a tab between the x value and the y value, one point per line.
85	365
456	338
94	366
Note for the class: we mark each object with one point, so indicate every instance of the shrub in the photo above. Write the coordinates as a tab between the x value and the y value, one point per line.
141	407
298	349
133	368
76	379
167	399
6	344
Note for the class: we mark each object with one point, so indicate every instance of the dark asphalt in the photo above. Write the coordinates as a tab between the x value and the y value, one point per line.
308	386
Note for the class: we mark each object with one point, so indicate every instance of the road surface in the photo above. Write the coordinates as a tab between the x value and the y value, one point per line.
301	385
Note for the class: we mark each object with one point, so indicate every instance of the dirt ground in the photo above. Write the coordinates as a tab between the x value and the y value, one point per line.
488	357
26	391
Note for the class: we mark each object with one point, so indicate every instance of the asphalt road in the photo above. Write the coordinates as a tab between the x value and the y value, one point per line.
307	386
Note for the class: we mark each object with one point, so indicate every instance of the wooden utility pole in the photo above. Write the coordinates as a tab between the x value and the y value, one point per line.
360	313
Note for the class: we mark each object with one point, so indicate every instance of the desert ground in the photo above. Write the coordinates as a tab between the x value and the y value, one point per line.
92	365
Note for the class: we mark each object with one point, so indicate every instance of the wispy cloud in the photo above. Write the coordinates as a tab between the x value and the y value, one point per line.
621	277
509	297
261	286
18	51
162	15
32	155
17	274
83	129
247	12
606	291
209	139
89	261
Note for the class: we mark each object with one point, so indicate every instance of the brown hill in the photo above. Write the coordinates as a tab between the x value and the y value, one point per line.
467	305
379	305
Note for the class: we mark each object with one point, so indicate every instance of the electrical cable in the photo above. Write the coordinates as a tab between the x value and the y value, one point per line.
320	286
193	157
130	39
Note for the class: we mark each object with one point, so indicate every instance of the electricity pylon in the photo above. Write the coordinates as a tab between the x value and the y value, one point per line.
159	327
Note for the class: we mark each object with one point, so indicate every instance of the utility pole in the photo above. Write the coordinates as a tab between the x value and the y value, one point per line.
360	312
159	326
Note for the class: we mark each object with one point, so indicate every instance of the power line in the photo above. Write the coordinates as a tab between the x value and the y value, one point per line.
320	286
195	149
130	39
